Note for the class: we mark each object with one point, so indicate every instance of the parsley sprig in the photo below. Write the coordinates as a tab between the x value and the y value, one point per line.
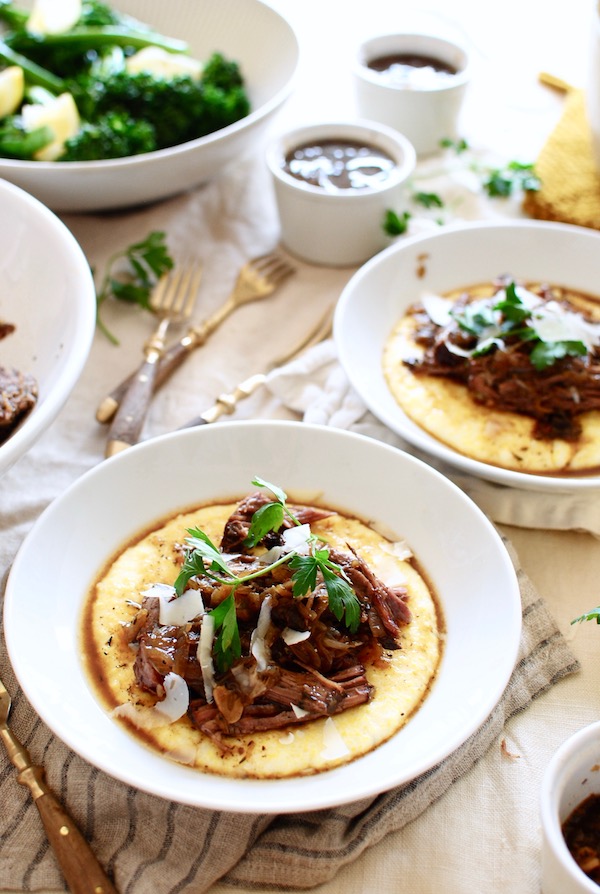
132	274
203	558
593	615
481	320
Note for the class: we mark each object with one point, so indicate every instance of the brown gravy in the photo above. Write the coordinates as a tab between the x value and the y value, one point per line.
338	165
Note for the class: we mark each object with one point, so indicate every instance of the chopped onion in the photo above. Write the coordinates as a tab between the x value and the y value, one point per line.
258	644
204	655
171	708
291	637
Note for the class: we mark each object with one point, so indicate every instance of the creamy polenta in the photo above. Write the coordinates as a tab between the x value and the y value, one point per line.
400	677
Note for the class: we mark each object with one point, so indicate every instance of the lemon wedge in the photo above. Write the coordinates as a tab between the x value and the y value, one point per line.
11	89
53	16
60	115
163	64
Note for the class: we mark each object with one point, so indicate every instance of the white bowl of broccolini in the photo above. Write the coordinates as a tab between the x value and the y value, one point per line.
137	100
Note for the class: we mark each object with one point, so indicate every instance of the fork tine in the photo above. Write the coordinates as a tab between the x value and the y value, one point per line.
271	266
175	301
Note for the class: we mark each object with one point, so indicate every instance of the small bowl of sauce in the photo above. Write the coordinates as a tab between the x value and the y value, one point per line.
415	83
570	815
333	184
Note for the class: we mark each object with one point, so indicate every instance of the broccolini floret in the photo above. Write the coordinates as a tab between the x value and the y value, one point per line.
179	109
112	136
16	142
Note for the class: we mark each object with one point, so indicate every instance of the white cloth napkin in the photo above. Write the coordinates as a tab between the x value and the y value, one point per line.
316	387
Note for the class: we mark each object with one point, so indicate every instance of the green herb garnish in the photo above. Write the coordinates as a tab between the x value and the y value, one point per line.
428	199
395	224
501	182
593	615
482	321
142	265
204	558
227	646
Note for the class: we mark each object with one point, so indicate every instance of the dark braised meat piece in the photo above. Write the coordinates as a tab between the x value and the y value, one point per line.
238	524
18	395
554	397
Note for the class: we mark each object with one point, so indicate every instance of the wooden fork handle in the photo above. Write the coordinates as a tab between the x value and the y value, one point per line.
171	359
127	423
79	865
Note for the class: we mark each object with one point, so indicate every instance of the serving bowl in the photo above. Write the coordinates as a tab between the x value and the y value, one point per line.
442	261
47	292
251	33
456	546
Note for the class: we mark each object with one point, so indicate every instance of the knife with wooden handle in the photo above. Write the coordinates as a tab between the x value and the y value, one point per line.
81	869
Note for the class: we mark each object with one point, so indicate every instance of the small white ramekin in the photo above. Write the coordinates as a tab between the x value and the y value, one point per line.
342	228
572	775
424	114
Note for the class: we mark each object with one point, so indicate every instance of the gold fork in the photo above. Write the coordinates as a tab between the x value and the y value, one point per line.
173	301
228	401
81	869
258	278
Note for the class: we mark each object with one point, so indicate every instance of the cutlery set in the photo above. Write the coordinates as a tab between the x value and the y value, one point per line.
127	404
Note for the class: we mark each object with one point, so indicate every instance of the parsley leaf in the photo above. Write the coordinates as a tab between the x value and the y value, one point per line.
395	224
343	601
227	646
203	557
593	615
501	182
545	353
428	199
267	518
132	274
457	145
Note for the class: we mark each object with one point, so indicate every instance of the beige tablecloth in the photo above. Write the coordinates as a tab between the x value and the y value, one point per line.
482	834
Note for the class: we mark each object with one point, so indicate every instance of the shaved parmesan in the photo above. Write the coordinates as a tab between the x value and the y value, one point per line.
438	308
291	637
258	644
176	610
299	712
553	323
172	707
334	745
204	655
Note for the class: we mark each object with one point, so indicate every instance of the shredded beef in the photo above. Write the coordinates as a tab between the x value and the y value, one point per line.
505	379
318	676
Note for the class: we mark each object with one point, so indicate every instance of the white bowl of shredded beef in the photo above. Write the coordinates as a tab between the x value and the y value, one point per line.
154	132
555	388
402	498
47	319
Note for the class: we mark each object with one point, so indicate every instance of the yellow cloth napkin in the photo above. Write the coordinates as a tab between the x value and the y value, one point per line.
570	181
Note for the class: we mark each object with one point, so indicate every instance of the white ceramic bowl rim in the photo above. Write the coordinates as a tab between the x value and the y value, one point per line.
379	135
401	41
557	770
416	435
